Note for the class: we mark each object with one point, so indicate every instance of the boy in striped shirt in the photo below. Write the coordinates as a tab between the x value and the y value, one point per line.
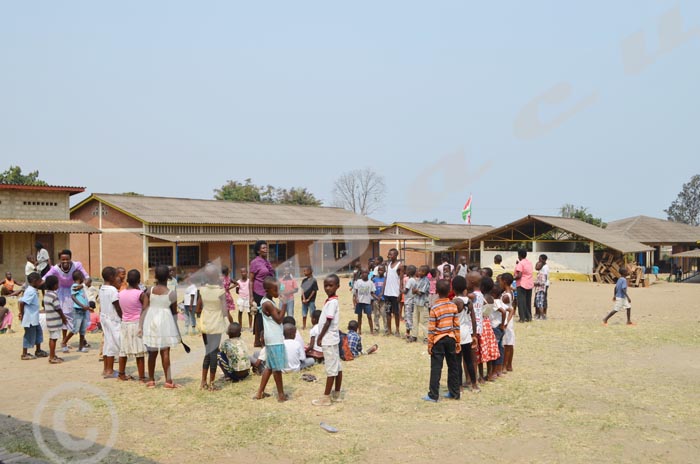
443	344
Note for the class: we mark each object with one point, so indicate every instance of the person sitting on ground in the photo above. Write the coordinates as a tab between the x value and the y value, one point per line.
355	341
5	317
296	357
313	350
8	285
233	358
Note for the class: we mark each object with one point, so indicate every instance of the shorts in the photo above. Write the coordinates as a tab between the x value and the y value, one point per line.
331	359
243	305
33	335
276	357
363	308
69	321
392	304
81	321
55	334
307	308
620	304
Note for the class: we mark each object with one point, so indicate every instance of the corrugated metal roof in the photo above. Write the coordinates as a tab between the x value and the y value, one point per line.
43	188
269	238
614	240
58	227
687	254
166	210
444	231
650	230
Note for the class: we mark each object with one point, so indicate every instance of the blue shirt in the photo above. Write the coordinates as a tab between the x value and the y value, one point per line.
31	307
355	343
621	288
379	286
79	295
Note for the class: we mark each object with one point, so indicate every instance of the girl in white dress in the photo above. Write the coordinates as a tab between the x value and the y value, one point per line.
158	326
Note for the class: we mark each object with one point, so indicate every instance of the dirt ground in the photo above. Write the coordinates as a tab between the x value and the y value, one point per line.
580	392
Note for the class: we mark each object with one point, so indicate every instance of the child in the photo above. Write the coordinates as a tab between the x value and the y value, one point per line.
132	301
409	298
90	293
477	300
233	358
506	282
421	302
313	350
243	302
329	339
621	298
443	344
190	304
296	357
226	283
7	286
297	336
543	268
54	316
432	278
288	287
467	330
110	319
362	293
488	344
158	327
5	317
378	305
497	317
212	312
309	289
81	312
540	289
355	341
276	356
29	315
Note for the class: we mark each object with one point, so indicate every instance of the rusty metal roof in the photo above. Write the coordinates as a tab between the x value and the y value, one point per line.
269	238
57	227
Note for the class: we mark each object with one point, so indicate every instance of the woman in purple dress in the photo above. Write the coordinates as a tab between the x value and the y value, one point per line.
64	272
260	268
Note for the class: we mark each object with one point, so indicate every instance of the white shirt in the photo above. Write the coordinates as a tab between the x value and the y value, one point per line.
295	355
29	268
393	284
363	290
330	311
42	259
315	330
465	322
191	291
108	295
496	316
545	271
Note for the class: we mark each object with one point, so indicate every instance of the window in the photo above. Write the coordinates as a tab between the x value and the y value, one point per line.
160	255
188	255
276	252
1	250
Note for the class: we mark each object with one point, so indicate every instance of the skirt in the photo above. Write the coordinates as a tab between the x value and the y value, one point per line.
159	329
509	336
488	348
112	338
131	345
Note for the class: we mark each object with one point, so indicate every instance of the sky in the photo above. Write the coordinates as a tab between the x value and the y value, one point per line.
524	105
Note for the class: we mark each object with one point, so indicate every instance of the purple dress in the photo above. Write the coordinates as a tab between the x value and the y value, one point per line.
65	280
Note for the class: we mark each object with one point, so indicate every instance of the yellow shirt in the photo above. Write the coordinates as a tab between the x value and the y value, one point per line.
212	321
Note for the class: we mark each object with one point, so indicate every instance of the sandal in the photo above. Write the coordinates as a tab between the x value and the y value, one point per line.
55	361
41	354
151	384
113	375
27	357
285	398
172	385
213	388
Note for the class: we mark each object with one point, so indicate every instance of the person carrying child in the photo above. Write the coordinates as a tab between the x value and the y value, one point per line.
54	316
329	339
362	294
132	301
81	313
233	357
29	315
273	336
444	344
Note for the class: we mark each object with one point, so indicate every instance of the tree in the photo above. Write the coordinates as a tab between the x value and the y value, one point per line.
132	194
434	221
14	176
581	213
686	207
247	191
360	191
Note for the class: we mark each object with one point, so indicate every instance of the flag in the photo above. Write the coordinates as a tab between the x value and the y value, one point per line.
467	211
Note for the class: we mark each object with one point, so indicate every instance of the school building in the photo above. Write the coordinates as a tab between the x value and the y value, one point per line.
36	213
571	245
425	243
141	232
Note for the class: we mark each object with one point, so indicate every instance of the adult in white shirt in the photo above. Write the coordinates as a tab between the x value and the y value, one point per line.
393	288
543	268
43	260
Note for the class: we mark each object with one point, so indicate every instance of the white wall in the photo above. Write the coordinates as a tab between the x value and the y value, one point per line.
579	263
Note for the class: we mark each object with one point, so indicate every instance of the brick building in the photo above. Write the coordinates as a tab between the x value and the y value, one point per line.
31	213
140	232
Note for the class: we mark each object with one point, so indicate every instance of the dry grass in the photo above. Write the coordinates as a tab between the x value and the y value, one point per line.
580	393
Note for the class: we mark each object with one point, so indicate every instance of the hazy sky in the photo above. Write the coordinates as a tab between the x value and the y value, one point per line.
527	105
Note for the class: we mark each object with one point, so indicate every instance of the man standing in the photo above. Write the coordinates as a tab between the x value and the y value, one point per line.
43	260
523	279
393	288
462	267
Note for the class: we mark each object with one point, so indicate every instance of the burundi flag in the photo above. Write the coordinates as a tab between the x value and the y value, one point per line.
467	211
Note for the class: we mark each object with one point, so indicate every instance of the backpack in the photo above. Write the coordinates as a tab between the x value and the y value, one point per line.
344	348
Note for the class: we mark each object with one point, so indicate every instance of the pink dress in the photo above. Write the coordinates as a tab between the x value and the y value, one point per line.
230	304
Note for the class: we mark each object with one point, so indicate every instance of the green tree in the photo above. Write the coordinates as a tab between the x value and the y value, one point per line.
581	213
238	191
434	221
14	176
247	191
686	207
298	196
132	194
